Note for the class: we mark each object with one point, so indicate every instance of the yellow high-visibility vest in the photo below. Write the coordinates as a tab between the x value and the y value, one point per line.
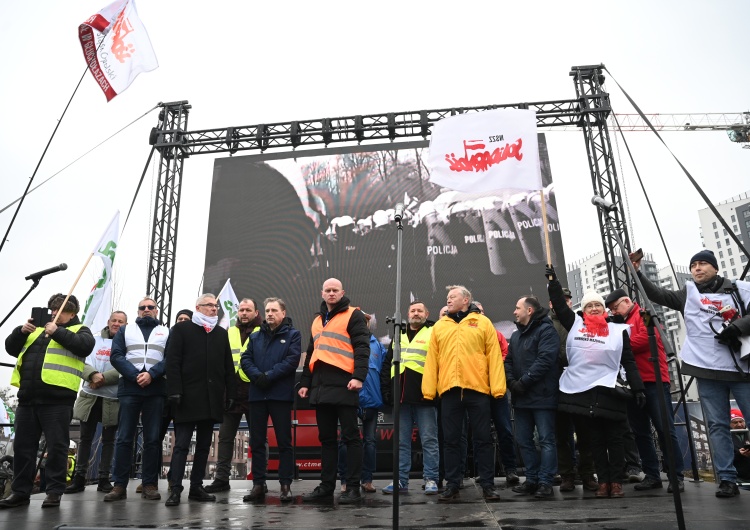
414	353
61	367
238	349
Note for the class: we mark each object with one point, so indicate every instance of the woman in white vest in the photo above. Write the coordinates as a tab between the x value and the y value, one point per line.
596	350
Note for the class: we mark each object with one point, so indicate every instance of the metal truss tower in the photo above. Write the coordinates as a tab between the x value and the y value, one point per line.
589	111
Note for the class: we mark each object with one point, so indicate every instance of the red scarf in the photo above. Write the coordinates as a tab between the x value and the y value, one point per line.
595	325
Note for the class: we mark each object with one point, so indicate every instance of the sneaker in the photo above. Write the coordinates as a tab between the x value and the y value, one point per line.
648	483
527	488
320	493
544	491
218	485
680	487
402	488
511	478
634	474
727	489
430	487
490	494
450	493
351	496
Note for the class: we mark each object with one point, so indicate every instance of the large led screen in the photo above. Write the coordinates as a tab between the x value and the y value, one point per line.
280	226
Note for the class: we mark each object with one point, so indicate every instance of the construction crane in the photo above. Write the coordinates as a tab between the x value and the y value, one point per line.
736	124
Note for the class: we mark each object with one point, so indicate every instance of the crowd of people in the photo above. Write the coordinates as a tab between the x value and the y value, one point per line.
580	386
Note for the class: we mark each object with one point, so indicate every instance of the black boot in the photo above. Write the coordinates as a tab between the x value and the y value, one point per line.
76	485
174	496
197	493
104	485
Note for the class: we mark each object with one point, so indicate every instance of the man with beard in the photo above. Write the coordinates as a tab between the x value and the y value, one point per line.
200	373
248	321
335	368
415	409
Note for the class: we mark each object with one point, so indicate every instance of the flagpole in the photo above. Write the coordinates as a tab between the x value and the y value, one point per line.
26	191
544	227
62	307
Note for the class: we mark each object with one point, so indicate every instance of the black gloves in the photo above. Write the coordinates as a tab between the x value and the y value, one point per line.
262	382
517	388
550	273
730	336
640	399
228	404
175	400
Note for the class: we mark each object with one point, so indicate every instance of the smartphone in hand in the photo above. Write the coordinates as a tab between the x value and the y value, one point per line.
636	256
41	316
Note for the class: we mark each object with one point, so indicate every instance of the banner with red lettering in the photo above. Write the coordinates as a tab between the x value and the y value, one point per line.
116	47
486	151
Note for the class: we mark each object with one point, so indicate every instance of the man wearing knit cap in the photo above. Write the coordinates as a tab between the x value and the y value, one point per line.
622	306
741	441
711	352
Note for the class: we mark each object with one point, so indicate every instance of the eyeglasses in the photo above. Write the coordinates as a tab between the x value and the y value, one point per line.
216	306
614	307
144	307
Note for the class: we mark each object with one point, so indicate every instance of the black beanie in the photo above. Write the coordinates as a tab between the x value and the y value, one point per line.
187	312
614	296
707	256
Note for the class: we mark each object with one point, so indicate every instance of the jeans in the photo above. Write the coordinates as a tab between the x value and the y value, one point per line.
227	433
30	423
640	423
504	429
150	409
540	467
454	404
281	417
183	434
425	417
369	458
328	418
88	430
714	396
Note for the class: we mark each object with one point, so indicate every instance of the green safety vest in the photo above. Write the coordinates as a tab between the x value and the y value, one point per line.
61	367
414	353
238	348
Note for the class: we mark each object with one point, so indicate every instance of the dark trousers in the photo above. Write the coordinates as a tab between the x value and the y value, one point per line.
565	425
280	413
88	430
183	433
150	409
328	418
30	423
632	458
454	404
640	422
227	434
608	447
504	429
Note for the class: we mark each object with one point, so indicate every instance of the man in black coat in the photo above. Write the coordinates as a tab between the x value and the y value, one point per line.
335	368
47	374
200	372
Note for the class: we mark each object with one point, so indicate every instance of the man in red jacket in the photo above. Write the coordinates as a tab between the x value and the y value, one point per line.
619	303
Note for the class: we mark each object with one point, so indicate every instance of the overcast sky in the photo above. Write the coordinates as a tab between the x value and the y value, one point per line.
244	63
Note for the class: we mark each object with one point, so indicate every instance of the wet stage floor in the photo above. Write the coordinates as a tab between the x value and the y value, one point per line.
651	510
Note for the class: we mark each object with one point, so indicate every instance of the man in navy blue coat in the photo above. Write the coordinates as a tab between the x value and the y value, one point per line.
270	362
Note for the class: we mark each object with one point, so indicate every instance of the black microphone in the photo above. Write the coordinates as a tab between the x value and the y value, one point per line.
603	203
398	215
45	272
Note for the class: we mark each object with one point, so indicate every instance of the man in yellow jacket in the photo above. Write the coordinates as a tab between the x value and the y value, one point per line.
464	367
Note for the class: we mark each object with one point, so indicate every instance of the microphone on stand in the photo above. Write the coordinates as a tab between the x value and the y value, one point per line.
38	275
398	215
604	204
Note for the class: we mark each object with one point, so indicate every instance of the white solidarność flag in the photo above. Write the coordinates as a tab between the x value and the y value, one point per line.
229	306
99	303
486	151
116	47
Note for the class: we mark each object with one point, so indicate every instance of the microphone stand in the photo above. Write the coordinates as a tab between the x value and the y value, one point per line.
398	325
651	318
33	286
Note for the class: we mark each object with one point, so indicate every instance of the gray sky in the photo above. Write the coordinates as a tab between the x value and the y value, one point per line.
243	63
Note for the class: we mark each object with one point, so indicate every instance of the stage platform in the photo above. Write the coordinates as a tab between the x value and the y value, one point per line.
652	510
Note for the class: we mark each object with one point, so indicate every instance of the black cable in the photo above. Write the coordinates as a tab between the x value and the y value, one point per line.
137	189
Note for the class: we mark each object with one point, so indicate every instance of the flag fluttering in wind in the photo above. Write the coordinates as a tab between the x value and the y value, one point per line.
229	306
486	151
116	47
99	303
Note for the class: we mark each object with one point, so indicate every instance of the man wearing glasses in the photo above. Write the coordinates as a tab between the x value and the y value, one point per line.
200	372
620	305
138	354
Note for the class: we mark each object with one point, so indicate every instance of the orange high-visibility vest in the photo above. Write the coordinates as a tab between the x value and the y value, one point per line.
331	343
